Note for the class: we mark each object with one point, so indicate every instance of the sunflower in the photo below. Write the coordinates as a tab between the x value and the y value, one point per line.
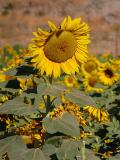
90	66
61	49
97	114
71	108
31	132
108	74
70	80
116	64
90	82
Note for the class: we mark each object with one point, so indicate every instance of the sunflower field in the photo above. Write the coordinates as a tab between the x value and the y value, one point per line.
57	100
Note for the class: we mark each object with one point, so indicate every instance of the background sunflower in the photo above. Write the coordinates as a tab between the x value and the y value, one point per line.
108	74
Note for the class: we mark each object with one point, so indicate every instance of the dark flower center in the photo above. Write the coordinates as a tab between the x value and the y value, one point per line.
60	46
109	73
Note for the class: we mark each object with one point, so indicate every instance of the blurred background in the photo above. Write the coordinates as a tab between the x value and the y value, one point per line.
18	19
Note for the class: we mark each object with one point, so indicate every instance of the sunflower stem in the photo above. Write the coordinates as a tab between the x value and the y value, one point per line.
83	151
50	79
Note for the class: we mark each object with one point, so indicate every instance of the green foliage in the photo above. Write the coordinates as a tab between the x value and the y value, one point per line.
80	98
67	124
26	104
17	150
64	152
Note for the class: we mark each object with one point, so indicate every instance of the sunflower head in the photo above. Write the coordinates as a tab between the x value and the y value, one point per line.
97	114
116	64
90	82
90	66
59	45
61	49
108	74
70	80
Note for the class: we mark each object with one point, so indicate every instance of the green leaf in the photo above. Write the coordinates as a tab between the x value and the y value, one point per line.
49	149
3	84
80	98
11	144
17	107
66	124
54	140
68	150
17	150
11	71
48	89
32	154
113	127
49	125
52	90
116	157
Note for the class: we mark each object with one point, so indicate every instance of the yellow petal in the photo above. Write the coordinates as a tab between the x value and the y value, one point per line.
56	70
63	24
52	26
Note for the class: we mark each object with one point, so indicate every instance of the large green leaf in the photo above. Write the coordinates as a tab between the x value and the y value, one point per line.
32	154
50	89
49	149
116	157
17	107
17	150
113	127
68	150
80	98
11	144
66	124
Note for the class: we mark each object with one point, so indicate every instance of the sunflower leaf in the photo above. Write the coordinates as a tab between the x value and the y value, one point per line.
80	98
67	124
11	144
68	149
14	146
18	107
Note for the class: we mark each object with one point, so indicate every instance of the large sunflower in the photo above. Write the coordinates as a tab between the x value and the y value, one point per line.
61	49
108	74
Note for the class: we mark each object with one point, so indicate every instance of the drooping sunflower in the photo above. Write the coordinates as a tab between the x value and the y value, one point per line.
108	74
97	114
61	49
90	82
90	66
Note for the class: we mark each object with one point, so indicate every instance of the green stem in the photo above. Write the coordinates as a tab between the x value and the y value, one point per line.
51	79
83	151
